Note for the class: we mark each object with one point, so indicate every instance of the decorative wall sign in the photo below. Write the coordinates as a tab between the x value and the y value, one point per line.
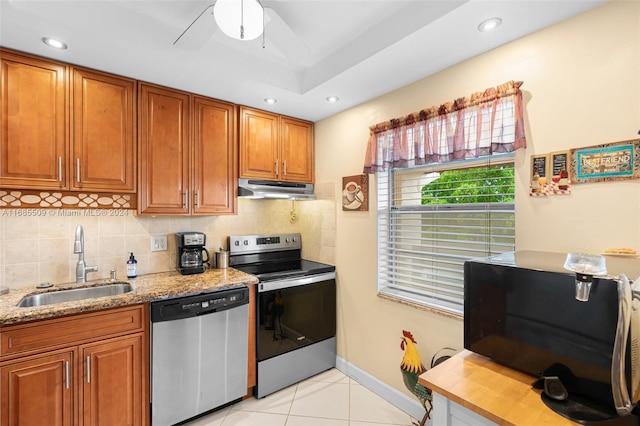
539	173
607	162
355	193
559	163
559	160
539	163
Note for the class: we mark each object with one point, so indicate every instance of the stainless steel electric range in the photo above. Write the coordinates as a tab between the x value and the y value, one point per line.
296	309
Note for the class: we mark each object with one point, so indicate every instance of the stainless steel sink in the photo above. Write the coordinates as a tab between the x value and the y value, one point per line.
61	296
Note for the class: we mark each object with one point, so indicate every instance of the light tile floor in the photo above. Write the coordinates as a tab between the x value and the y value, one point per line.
328	399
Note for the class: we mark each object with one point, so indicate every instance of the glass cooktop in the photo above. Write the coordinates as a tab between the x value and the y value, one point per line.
269	271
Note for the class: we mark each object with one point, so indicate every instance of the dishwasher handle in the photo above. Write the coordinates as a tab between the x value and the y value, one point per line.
198	305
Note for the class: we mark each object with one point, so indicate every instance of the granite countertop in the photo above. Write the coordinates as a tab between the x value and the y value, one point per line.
146	288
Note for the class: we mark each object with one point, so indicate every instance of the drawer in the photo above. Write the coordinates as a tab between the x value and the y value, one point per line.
71	330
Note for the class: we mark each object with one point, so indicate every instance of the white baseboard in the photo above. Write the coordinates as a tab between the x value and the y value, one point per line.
409	405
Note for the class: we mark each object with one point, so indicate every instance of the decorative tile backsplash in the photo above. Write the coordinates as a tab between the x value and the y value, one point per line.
34	199
37	244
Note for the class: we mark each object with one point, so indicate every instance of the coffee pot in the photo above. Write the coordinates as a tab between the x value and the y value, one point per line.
192	254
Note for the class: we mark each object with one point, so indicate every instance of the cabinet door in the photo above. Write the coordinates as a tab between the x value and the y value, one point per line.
215	176
103	132
164	157
38	391
258	144
112	386
34	118
296	150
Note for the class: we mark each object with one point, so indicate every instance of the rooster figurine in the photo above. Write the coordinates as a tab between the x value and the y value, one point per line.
411	367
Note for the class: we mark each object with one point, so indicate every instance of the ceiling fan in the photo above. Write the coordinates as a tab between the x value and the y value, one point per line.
243	20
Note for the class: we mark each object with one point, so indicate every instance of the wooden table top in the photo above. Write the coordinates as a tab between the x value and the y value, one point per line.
500	394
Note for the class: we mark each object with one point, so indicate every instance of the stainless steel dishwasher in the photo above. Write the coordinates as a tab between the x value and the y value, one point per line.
199	350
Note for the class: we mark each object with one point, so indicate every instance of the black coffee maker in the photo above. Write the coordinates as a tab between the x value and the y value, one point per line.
191	252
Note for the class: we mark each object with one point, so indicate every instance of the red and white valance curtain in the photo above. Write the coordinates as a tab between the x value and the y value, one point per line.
485	123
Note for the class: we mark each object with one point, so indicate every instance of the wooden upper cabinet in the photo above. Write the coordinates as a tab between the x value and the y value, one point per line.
33	145
214	157
39	148
103	132
163	126
258	144
274	147
188	153
296	150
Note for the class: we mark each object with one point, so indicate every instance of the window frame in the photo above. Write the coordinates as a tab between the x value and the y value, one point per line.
387	256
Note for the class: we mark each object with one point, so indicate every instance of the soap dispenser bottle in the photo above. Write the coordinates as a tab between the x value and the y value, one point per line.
132	267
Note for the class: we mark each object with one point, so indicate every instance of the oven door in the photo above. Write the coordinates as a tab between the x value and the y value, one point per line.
295	313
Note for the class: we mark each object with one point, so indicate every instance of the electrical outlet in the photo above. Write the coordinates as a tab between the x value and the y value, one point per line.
158	243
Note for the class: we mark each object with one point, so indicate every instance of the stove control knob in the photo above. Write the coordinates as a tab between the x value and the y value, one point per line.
245	242
287	240
295	239
236	243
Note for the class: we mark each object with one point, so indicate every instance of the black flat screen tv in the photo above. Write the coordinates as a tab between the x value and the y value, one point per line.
520	310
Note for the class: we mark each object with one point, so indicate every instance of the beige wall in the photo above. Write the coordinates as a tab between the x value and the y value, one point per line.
35	249
581	88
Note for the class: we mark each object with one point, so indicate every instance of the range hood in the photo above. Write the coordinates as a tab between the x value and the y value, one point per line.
255	188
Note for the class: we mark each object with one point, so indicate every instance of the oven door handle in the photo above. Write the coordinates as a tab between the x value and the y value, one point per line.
294	282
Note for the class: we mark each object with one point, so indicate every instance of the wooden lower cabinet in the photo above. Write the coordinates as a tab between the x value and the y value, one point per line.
112	384
38	391
54	372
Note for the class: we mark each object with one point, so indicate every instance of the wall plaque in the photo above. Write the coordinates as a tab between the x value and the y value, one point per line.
608	162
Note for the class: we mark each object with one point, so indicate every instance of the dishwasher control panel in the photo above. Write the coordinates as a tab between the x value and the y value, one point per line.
201	304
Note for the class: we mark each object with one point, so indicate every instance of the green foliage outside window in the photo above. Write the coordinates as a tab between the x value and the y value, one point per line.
493	184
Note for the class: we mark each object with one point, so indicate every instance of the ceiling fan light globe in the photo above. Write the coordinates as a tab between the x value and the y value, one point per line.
239	19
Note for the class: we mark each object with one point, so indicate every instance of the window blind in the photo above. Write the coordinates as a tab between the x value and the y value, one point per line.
432	219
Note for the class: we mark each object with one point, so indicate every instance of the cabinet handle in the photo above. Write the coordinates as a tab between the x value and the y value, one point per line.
88	369
285	168
60	169
197	195
276	167
66	374
185	199
78	170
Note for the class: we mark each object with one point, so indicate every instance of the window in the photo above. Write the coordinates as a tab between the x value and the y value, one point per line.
432	219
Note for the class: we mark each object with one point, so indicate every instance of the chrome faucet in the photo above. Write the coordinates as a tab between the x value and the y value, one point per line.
81	267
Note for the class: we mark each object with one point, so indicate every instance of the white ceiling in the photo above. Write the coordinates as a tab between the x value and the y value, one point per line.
354	49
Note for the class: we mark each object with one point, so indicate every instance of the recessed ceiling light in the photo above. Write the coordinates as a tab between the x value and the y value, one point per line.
270	101
333	99
489	25
52	42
